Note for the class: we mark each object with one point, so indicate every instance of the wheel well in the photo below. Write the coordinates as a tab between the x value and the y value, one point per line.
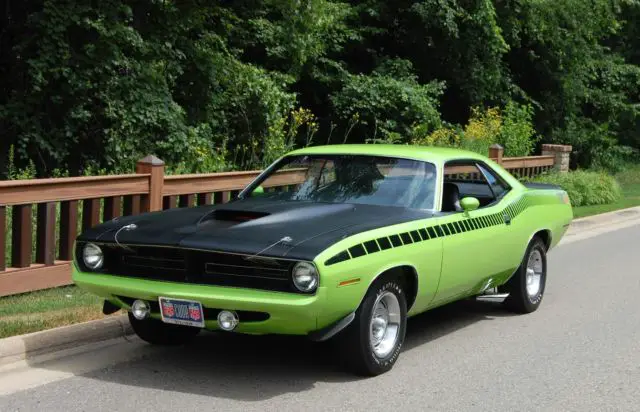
409	278
545	236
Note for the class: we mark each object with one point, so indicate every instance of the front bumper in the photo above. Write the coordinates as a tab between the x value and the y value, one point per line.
288	313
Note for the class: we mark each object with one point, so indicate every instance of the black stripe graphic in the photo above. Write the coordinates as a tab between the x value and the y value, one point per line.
431	232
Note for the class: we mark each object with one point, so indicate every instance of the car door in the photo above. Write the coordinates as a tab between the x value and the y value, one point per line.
473	242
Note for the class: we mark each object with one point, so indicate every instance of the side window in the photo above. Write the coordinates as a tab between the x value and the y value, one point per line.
499	187
467	179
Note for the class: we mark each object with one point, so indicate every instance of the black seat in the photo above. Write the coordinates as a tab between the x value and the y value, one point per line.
451	198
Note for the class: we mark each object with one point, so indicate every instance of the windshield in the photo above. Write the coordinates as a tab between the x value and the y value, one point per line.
371	180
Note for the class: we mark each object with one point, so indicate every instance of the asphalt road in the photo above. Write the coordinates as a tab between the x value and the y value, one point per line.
580	351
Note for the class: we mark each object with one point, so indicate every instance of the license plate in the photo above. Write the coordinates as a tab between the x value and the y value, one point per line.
181	312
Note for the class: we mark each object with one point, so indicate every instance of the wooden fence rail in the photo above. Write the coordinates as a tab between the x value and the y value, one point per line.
46	215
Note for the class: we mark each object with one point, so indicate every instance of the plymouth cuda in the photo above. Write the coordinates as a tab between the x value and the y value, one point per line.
354	241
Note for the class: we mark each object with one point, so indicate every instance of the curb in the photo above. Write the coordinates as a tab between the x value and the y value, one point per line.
17	348
603	219
614	213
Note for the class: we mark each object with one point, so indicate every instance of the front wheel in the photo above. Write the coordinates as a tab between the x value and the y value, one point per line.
526	287
372	343
159	333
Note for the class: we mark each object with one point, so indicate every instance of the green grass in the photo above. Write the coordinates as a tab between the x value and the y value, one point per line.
629	182
32	312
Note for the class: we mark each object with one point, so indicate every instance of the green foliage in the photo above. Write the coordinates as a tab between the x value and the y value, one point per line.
585	187
517	133
389	101
207	86
597	148
512	128
13	173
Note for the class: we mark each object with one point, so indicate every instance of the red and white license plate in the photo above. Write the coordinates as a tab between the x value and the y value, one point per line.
181	312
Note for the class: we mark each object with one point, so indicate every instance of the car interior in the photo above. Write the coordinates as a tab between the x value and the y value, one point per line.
466	179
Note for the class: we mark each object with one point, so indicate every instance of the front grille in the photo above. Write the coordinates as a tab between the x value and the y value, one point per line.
199	267
240	271
148	262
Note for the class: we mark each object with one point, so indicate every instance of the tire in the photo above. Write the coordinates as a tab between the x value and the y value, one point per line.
523	299
356	343
157	332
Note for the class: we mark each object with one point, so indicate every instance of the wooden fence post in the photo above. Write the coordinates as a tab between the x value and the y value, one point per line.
46	233
155	168
21	236
3	225
495	153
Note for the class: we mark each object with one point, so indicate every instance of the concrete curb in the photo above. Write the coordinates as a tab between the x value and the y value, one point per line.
604	219
17	348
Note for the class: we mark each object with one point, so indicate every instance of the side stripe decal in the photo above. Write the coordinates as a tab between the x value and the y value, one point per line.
431	232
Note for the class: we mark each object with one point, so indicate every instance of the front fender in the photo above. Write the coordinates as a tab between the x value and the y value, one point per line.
347	282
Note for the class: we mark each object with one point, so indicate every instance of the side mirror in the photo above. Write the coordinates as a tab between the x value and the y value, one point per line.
469	203
258	191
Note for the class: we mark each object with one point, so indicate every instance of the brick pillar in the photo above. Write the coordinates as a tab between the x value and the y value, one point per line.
561	152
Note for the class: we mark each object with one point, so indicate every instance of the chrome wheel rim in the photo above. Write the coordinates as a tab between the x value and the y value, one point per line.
385	324
534	273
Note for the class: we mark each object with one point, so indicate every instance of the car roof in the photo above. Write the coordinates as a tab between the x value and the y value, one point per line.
425	153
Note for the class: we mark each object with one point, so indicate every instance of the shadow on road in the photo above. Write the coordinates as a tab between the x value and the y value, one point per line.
254	368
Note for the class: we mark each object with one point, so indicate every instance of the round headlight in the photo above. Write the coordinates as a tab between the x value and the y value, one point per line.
140	309
92	256
305	277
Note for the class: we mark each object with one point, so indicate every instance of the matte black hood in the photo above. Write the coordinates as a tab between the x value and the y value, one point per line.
252	225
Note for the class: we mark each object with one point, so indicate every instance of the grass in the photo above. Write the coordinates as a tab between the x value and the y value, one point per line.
32	312
629	182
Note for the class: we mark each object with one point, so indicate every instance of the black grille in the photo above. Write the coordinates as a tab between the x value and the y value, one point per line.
199	267
241	271
168	264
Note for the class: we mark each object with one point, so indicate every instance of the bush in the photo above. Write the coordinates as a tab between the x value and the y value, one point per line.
512	127
517	134
585	187
596	147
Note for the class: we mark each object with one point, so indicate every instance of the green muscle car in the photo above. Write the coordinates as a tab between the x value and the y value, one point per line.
337	242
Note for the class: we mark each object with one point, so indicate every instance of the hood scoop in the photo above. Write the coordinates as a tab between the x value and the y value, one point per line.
233	216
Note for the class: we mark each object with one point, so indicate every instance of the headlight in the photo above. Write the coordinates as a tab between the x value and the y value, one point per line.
92	256
305	277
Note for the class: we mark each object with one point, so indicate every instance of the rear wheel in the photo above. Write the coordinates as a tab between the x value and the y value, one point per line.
160	333
526	287
372	343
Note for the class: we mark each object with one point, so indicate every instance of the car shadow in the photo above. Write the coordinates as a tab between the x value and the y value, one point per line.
436	323
255	368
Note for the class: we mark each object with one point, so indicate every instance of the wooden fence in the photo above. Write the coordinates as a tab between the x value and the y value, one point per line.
48	214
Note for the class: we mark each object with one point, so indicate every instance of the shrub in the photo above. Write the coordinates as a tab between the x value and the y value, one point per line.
585	187
596	146
511	127
517	134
